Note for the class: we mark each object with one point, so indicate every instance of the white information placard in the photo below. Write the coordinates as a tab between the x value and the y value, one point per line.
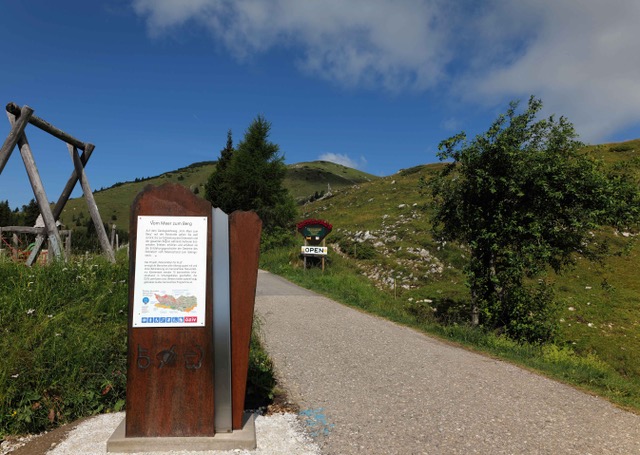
170	271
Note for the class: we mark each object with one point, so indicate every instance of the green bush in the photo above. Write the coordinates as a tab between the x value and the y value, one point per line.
277	238
622	148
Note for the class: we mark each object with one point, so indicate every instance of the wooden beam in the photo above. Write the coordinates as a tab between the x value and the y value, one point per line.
55	243
23	229
71	183
14	109
91	204
12	139
36	250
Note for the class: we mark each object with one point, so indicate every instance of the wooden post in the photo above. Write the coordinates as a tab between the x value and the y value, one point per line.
47	127
71	183
67	243
91	204
16	131
55	244
19	118
36	250
324	244
304	256
113	236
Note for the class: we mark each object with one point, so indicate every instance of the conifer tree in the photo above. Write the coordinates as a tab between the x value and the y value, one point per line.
252	179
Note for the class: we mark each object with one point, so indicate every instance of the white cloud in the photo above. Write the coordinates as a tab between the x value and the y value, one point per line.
164	14
345	160
452	124
580	58
396	45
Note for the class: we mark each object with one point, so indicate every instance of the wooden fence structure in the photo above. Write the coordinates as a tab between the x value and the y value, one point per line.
19	118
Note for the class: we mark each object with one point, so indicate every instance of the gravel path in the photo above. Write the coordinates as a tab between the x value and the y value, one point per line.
278	434
369	386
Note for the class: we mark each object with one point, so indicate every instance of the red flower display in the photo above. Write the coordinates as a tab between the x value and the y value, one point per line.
310	222
314	231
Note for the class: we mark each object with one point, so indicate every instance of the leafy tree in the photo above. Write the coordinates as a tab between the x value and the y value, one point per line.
522	197
252	179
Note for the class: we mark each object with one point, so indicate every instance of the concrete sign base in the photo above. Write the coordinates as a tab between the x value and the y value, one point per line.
243	439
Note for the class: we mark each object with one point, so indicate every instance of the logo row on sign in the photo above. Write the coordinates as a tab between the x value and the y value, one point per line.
314	250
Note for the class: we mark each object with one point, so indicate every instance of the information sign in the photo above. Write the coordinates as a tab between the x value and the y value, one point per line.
171	272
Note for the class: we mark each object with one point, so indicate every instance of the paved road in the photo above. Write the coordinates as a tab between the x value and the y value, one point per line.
368	386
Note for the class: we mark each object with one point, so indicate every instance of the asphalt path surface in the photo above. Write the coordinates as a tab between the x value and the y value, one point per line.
368	386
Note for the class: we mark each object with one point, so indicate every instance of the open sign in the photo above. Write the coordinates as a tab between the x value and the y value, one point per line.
309	250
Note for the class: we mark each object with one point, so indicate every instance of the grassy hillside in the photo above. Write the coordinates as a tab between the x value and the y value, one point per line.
303	180
382	229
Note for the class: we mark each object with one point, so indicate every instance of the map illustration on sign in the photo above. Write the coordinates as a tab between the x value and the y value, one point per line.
181	303
170	271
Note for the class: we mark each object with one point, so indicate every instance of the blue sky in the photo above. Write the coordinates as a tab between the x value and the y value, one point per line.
374	84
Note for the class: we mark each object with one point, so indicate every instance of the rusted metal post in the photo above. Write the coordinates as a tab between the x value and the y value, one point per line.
170	373
244	250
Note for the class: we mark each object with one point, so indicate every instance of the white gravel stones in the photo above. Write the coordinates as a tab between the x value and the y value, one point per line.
276	434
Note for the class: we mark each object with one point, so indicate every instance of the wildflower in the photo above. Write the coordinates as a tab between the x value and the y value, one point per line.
571	308
590	324
31	310
14	376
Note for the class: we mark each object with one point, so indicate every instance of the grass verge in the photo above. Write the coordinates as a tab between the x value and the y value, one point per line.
64	345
